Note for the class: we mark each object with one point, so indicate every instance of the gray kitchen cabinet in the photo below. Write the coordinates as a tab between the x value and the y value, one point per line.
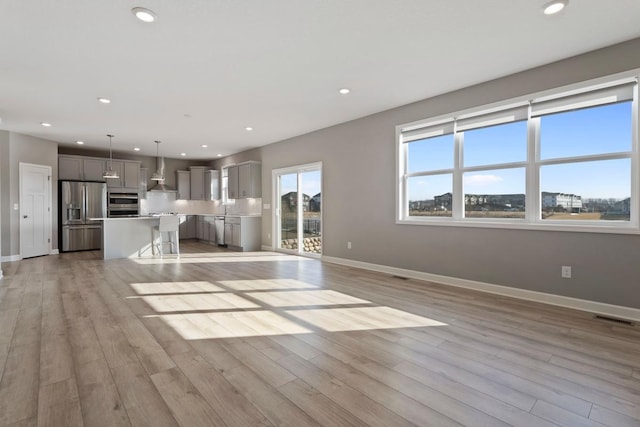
197	182
82	168
211	184
249	180
131	175
243	233
203	228
92	169
188	227
70	168
128	175
183	184
117	166
232	182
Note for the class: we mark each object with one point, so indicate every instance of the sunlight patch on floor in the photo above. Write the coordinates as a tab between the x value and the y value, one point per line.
265	284
243	308
305	298
197	302
175	287
198	326
361	318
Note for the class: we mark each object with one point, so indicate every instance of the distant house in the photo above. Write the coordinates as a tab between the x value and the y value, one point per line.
290	201
568	202
623	206
315	203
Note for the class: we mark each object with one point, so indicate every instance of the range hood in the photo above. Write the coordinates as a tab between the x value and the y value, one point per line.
160	186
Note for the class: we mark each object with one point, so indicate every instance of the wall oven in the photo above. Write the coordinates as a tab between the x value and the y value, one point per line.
121	205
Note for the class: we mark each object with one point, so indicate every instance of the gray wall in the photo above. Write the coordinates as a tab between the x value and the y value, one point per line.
359	199
16	148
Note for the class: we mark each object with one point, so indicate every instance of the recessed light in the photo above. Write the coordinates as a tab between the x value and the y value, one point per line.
344	91
45	124
204	146
104	100
183	154
248	128
143	14
219	155
555	6
80	142
136	148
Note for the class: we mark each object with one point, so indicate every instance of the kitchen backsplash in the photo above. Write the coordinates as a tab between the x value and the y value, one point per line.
157	202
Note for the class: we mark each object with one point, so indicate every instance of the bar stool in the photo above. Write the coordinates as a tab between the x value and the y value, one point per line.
168	224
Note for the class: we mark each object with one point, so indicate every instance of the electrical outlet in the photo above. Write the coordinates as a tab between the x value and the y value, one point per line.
566	272
348	245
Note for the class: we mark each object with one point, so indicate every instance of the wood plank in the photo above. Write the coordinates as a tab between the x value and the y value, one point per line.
349	398
99	398
560	416
278	409
59	404
19	385
141	399
186	403
318	406
611	418
223	397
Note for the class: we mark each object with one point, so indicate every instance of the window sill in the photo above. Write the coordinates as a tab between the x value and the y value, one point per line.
516	224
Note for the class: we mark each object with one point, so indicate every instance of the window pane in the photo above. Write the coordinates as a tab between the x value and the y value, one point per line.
597	130
430	195
431	154
598	190
505	143
496	193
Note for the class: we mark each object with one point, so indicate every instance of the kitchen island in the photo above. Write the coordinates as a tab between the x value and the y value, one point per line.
127	237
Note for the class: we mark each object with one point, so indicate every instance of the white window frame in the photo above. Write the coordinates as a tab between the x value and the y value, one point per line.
538	104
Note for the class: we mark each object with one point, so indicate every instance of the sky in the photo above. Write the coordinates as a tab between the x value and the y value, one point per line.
311	183
588	131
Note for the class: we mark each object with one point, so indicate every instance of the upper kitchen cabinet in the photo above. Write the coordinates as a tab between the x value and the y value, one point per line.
249	180
93	169
183	185
232	182
197	182
205	183
211	184
128	176
79	168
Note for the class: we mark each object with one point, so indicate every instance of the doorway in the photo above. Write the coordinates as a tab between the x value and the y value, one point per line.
298	209
35	210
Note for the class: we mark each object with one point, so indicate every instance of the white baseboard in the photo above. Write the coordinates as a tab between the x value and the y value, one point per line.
267	248
54	252
10	258
611	310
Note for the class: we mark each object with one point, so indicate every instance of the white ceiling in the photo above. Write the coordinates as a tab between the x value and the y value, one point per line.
206	69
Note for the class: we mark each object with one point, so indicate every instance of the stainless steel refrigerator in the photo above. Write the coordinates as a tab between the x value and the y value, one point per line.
80	201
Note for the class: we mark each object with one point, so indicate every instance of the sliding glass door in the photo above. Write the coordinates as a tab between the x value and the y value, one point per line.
298	209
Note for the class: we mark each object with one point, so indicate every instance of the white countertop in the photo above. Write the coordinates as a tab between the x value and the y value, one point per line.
158	216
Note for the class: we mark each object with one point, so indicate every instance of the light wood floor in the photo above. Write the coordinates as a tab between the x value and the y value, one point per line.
221	338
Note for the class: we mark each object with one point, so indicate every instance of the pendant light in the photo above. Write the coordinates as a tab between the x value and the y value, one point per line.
158	174
109	172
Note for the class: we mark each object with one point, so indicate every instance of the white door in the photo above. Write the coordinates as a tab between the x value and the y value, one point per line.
35	210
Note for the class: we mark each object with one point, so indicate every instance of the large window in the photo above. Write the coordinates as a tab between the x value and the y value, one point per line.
569	160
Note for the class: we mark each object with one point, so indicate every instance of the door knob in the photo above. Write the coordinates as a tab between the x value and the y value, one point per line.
24	216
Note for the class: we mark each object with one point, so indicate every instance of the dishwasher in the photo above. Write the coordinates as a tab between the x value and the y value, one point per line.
219	225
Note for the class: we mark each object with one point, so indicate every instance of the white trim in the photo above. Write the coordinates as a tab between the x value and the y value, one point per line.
0	274
54	252
611	310
10	258
267	248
